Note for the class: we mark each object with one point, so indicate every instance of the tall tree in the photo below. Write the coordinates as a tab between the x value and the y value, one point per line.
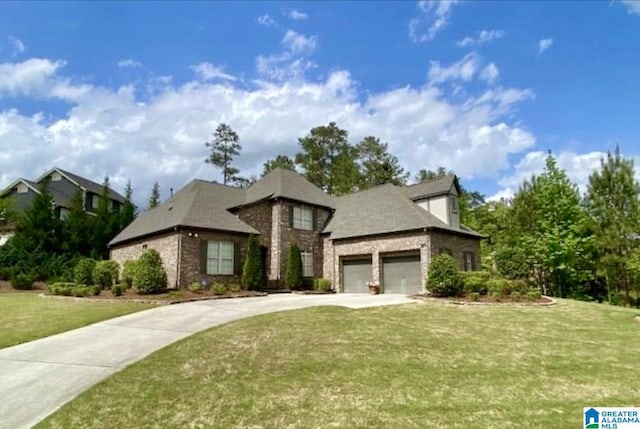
128	210
224	148
38	227
77	227
614	210
105	224
154	197
327	159
424	175
280	161
377	165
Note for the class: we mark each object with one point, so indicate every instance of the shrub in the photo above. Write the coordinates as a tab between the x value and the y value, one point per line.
307	283
474	296
105	273
322	284
128	271
195	287
80	291
234	287
22	281
5	273
149	275
118	289
253	269
534	295
175	294
219	289
83	271
519	286
475	281
515	296
293	277
444	279
496	286
496	296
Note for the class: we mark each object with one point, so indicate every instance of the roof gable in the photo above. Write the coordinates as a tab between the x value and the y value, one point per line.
83	183
431	188
9	189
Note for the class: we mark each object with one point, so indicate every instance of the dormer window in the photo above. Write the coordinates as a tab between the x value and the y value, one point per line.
453	202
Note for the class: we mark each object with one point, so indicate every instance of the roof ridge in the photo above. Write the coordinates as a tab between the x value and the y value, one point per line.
430	180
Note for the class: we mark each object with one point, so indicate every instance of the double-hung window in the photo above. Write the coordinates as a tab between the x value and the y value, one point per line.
307	264
468	261
303	217
220	257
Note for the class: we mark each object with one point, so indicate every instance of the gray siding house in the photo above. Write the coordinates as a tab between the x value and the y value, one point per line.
386	235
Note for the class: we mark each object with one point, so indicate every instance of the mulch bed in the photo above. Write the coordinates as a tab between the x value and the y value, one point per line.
5	287
487	300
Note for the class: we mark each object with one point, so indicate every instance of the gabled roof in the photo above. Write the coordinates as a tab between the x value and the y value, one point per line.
80	181
382	210
431	188
32	185
281	183
200	204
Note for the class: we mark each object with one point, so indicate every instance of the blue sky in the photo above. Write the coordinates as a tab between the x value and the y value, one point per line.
133	90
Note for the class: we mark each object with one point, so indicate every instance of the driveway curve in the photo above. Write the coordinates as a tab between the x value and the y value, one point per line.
38	377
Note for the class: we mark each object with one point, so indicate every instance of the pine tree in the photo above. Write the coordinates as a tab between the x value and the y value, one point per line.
38	227
614	210
280	161
128	210
77	227
105	224
293	276
377	165
154	197
253	269
224	148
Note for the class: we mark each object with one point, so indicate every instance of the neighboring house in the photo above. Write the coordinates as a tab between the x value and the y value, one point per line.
62	185
387	234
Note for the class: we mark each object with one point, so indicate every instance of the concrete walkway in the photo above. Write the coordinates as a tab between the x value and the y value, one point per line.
38	377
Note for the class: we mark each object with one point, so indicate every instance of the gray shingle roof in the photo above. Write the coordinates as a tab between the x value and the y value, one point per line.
90	185
281	183
430	188
200	204
382	210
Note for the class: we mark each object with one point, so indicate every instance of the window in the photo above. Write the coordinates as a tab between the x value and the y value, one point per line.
95	200
64	213
307	264
303	218
220	257
469	261
22	188
453	201
56	177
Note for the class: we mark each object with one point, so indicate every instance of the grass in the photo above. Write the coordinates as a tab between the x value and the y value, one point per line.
25	316
423	365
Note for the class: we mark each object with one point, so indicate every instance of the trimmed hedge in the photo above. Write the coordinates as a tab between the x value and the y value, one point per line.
149	275
444	278
22	281
322	284
83	271
105	273
73	289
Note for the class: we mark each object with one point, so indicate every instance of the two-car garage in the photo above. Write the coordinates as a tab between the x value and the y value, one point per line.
399	273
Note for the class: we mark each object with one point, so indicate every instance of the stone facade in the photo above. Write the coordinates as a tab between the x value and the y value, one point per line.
375	246
191	259
456	245
167	245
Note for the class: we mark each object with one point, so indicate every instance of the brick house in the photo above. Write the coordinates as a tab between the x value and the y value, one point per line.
387	234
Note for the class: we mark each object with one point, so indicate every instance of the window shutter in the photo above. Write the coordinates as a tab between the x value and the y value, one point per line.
291	216
203	256
237	259
314	218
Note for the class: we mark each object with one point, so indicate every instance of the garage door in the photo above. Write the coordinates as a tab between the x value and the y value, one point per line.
402	274
355	275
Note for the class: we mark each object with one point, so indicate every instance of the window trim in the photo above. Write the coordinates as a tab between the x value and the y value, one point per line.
301	209
219	258
453	204
471	261
307	261
95	201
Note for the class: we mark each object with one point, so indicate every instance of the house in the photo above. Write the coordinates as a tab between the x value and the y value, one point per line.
387	234
62	185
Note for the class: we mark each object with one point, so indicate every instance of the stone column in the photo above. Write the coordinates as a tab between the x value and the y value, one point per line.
274	269
375	264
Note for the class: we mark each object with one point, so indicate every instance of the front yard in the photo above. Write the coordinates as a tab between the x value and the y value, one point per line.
422	365
25	316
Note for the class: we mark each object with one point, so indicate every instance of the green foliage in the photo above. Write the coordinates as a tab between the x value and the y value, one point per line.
234	287
175	294
5	273
22	281
128	211
280	161
195	287
377	165
475	281
444	278
474	296
534	294
38	229
224	147
219	289
106	224
149	275
498	286
322	284
77	227
154	197
515	296
128	271
105	273
61	288
496	296
253	270
83	271
118	289
293	276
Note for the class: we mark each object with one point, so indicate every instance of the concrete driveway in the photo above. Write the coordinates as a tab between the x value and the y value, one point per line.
38	377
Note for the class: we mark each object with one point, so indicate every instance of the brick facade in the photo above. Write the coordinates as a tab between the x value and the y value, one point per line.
167	246
456	245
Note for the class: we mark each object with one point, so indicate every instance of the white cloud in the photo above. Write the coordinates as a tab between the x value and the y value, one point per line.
433	16
490	73
17	46
129	63
633	6
297	15
267	21
482	37
28	78
464	69
207	71
544	44
112	131
298	43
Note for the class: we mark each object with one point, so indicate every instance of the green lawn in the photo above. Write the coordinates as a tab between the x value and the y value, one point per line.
416	366
25	316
